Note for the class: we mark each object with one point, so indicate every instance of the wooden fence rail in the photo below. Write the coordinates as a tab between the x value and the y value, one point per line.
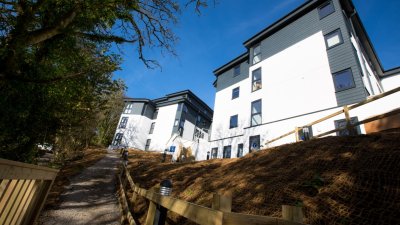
23	191
349	126
219	214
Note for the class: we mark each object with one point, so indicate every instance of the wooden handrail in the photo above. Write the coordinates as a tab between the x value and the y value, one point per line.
344	110
196	213
23	191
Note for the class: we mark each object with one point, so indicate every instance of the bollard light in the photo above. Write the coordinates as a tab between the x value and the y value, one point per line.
208	155
165	188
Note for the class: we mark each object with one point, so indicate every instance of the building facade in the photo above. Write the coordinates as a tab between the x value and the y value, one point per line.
308	64
179	118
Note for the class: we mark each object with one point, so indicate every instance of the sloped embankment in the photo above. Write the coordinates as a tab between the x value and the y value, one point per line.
338	180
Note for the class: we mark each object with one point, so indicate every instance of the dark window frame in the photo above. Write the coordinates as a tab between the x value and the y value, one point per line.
321	16
147	146
239	153
214	153
253	56
235	90
155	114
331	34
253	80
236	70
152	127
118	138
334	75
225	152
254	114
345	132
124	122
230	121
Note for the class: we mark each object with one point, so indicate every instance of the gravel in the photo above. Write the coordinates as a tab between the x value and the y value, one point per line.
90	198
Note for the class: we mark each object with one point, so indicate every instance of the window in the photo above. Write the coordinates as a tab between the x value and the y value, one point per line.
214	153
239	151
236	71
235	93
333	38
305	133
326	9
254	143
148	141
152	128
343	80
256	80
179	106
342	123
256	117
128	108
155	114
227	152
256	53
118	138
233	121
123	123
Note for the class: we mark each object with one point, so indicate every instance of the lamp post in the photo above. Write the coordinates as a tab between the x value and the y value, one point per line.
208	155
161	212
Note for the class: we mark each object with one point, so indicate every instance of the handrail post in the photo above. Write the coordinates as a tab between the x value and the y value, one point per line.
349	126
222	202
296	133
292	213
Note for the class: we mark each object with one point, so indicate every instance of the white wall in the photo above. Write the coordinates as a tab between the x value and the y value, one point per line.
295	81
391	82
163	127
133	135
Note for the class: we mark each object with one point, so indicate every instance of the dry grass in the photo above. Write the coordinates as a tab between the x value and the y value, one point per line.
90	157
338	180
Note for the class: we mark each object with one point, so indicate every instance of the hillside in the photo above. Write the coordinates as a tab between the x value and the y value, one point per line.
338	180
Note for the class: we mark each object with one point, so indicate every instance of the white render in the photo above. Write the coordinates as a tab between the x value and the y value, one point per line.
163	127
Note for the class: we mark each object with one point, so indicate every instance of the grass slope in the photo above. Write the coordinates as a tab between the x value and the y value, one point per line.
338	180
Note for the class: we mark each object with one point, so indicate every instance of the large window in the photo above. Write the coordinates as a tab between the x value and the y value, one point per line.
233	121
256	117
148	141
128	108
236	71
152	128
123	123
256	80
333	38
214	153
118	138
239	151
235	93
343	80
343	123
227	152
256	53
326	9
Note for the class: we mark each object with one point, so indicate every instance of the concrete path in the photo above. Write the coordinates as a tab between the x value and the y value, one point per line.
90	198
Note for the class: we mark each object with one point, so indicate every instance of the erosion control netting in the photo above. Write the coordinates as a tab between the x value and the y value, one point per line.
338	180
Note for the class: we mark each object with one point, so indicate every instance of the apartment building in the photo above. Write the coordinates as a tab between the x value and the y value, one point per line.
312	62
179	118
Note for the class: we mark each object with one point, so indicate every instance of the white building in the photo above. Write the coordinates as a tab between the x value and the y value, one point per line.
309	64
178	119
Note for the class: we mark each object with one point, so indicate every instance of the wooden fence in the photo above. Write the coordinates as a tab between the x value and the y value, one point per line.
219	214
349	126
23	191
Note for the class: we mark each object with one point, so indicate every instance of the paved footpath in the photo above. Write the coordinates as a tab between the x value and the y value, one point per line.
90	198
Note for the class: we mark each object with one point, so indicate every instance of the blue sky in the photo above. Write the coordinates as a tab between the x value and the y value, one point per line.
215	37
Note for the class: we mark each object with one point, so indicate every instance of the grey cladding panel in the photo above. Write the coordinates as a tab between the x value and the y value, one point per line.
137	108
227	79
149	111
340	57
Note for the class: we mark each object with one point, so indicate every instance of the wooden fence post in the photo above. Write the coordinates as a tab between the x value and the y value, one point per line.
349	126
151	212
296	134
292	213
222	202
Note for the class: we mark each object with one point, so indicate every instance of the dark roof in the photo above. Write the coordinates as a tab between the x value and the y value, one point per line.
241	58
284	21
303	9
393	71
170	99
